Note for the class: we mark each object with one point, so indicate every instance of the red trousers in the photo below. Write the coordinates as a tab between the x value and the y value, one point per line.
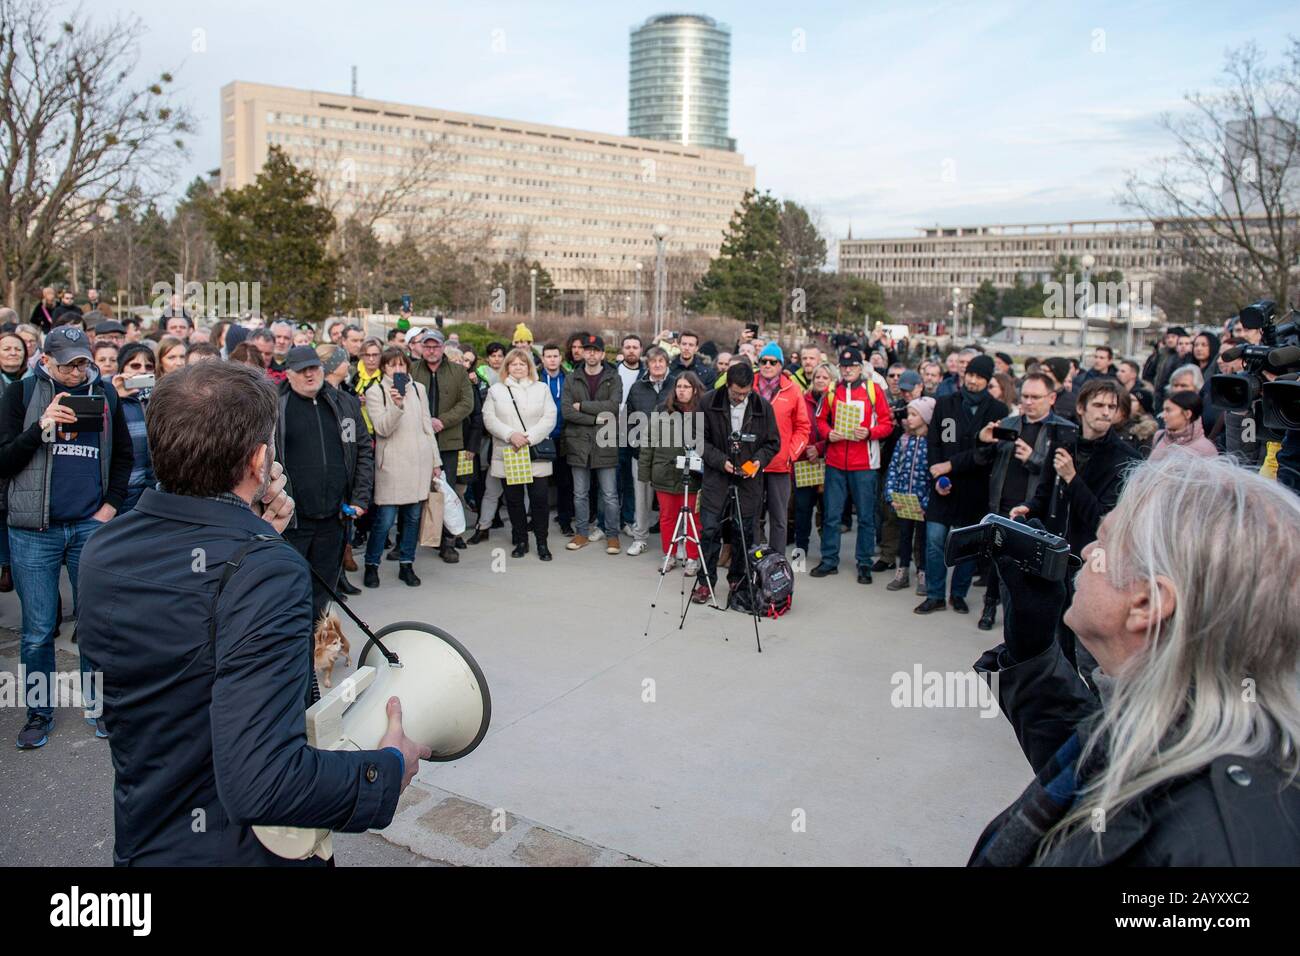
669	505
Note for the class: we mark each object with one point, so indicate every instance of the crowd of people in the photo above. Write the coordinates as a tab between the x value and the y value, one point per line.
845	429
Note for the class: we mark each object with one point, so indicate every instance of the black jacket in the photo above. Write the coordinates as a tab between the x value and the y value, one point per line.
1093	492
358	450
707	374
207	725
1039	465
953	437
643	397
1210	817
760	422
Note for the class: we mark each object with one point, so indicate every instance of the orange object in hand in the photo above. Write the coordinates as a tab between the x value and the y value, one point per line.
750	468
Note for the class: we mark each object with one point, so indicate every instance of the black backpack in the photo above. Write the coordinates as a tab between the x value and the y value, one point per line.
772	582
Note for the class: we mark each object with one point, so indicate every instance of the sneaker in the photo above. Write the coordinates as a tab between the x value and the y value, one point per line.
665	568
595	534
628	532
611	546
822	570
35	733
579	541
920	583
929	606
701	594
900	580
692	568
101	728
637	547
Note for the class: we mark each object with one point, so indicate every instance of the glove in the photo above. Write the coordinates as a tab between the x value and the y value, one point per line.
1032	608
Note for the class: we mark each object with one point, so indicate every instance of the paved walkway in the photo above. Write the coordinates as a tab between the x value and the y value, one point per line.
682	747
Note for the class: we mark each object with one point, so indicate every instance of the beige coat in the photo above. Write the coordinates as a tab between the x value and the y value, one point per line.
406	449
499	418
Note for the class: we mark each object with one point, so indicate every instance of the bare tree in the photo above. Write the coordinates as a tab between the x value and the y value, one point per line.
1229	199
76	134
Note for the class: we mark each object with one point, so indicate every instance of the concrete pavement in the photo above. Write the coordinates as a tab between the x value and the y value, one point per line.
608	746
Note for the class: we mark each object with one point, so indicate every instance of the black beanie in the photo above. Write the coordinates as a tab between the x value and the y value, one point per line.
980	365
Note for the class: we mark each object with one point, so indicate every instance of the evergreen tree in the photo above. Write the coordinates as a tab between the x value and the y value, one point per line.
745	280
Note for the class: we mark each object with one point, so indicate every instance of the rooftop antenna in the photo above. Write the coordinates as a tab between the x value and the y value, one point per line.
354	80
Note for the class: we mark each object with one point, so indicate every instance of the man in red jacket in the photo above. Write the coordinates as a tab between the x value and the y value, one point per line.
852	460
791	411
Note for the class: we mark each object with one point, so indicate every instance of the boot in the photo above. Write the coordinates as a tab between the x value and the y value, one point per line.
520	550
448	552
346	586
900	582
543	552
406	574
349	563
479	536
989	616
6	579
371	579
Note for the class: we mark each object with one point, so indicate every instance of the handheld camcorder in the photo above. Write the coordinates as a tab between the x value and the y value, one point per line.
736	454
690	462
1275	403
1040	553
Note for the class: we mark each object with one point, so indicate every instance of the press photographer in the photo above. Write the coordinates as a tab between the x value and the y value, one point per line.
199	615
1179	760
740	438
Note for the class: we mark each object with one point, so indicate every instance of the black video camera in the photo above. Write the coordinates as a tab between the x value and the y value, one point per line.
1040	553
735	453
1275	404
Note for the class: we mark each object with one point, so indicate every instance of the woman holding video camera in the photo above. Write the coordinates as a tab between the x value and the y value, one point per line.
1188	753
406	459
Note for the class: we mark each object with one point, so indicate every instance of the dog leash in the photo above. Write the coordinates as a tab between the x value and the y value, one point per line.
389	656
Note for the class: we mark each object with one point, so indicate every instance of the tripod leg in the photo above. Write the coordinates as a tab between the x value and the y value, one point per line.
749	578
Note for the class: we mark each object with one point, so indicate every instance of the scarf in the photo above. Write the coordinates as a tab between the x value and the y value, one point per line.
767	387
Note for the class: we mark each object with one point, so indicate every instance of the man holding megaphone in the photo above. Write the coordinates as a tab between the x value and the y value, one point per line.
199	617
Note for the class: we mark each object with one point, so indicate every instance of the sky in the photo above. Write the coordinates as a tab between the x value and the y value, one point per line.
882	117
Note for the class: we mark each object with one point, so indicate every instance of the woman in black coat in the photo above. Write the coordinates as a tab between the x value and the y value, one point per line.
1186	752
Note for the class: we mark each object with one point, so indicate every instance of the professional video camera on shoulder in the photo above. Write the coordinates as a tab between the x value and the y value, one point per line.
1275	402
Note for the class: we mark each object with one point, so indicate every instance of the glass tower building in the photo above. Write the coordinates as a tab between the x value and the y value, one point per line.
679	81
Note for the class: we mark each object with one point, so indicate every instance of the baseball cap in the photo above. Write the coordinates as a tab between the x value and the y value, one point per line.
301	357
108	327
66	343
909	380
851	356
593	342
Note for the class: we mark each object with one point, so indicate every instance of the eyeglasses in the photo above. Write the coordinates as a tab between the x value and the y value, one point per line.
79	365
894	375
768	361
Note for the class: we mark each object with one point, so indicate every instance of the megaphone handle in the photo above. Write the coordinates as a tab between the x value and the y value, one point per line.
365	628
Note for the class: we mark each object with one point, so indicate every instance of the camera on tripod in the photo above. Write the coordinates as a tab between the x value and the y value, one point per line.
1275	403
690	462
1034	551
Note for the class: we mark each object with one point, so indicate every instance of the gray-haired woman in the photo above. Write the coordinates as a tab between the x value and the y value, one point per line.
1188	753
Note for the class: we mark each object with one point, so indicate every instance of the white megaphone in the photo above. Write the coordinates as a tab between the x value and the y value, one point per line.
445	707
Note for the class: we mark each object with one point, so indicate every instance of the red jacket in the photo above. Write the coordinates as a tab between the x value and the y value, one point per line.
816	430
792	422
864	455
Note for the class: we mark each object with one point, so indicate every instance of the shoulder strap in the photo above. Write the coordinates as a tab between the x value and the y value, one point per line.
232	565
511	393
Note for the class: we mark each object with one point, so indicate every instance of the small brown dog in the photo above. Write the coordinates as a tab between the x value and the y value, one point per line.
331	644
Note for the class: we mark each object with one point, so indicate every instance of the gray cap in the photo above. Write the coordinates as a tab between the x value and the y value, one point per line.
909	380
66	344
301	357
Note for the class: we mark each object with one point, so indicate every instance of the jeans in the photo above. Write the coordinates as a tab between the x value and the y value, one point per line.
4	538
626	489
408	534
37	559
608	480
936	572
840	486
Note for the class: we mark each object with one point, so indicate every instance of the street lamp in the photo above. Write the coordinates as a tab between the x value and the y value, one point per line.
532	281
956	315
1196	311
970	319
1087	262
660	233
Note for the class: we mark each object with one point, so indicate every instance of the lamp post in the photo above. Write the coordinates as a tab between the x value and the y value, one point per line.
660	234
1087	262
956	315
1196	311
970	319
636	297
532	281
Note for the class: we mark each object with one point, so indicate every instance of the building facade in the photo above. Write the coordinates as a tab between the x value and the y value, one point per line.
941	257
679	79
583	204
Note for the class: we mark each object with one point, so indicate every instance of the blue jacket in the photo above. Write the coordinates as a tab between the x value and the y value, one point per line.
556	386
909	472
209	736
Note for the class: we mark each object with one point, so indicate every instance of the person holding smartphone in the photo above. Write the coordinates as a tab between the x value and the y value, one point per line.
68	474
406	452
134	384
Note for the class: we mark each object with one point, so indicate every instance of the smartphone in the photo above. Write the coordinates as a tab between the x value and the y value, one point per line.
406	303
400	381
1065	435
1005	434
139	381
89	410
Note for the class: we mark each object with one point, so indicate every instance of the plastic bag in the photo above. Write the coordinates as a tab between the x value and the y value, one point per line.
453	512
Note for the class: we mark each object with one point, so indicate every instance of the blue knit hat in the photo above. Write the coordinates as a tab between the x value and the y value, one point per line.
772	350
